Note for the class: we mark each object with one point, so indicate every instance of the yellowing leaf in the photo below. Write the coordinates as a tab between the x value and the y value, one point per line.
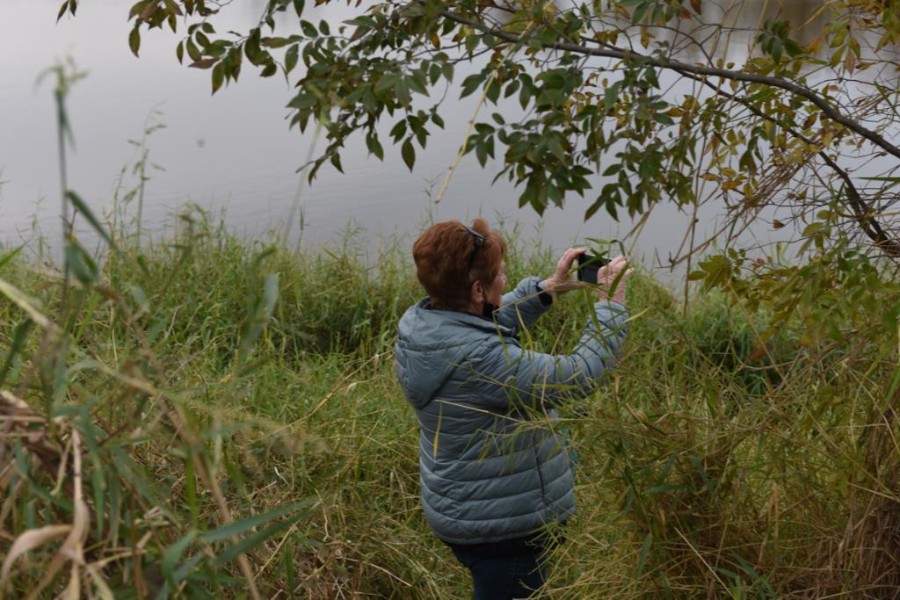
815	45
28	541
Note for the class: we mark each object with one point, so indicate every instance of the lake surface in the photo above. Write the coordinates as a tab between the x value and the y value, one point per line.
233	153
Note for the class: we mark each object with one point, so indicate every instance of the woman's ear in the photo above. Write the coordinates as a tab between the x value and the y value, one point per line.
476	292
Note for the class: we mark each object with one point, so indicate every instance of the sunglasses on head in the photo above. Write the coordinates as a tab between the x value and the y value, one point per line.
479	242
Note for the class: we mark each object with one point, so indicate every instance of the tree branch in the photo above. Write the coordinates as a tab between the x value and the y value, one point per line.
700	70
871	227
862	214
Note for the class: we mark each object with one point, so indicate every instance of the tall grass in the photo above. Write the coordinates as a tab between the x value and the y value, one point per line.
741	464
208	409
198	409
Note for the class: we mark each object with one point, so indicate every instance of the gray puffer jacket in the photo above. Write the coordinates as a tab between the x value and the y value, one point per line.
492	468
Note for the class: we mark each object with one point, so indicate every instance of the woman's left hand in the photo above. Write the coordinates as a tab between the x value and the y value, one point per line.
562	279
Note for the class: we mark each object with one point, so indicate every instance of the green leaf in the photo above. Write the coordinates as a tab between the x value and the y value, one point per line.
138	8
232	551
269	70
291	57
182	573
309	30
86	212
481	153
417	83
274	42
79	264
9	256
364	21
336	162
20	334
192	50
298	7
398	130
134	40
470	84
173	8
512	88
408	153
639	12
202	40
218	76
242	526
173	554
611	96
401	91
374	146
645	553
493	91
384	84
697	275
302	101
234	59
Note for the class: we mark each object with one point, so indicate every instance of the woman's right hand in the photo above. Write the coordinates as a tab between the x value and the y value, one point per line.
612	280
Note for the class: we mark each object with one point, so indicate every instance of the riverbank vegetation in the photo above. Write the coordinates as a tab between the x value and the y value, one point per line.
205	417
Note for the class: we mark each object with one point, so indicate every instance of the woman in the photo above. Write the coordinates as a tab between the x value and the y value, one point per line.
493	472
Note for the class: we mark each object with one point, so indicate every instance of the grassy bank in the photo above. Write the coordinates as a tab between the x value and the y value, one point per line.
210	418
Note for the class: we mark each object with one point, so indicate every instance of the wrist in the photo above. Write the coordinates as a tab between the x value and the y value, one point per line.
545	292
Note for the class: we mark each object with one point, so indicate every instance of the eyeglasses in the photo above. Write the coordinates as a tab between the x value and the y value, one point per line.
479	242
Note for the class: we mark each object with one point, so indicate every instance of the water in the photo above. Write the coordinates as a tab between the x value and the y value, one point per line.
233	152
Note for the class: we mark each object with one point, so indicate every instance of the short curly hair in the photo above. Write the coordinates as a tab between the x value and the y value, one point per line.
443	253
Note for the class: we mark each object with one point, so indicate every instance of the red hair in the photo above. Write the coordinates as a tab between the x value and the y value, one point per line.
442	254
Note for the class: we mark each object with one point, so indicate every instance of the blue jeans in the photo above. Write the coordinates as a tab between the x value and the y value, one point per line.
504	576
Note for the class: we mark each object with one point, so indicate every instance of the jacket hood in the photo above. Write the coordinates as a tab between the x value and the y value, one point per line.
432	343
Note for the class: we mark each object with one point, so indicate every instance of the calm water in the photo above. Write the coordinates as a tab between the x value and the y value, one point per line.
234	152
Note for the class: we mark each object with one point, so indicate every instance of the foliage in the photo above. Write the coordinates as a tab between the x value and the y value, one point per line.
154	438
744	462
628	102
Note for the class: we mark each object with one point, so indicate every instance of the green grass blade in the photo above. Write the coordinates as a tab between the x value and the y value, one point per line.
172	555
88	214
242	526
20	334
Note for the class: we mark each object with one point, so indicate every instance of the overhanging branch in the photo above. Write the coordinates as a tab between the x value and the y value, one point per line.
700	70
862	214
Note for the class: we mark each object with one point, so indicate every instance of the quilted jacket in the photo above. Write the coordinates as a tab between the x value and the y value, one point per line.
492	466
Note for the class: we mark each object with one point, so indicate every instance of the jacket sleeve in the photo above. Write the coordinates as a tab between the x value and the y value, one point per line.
522	306
532	379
